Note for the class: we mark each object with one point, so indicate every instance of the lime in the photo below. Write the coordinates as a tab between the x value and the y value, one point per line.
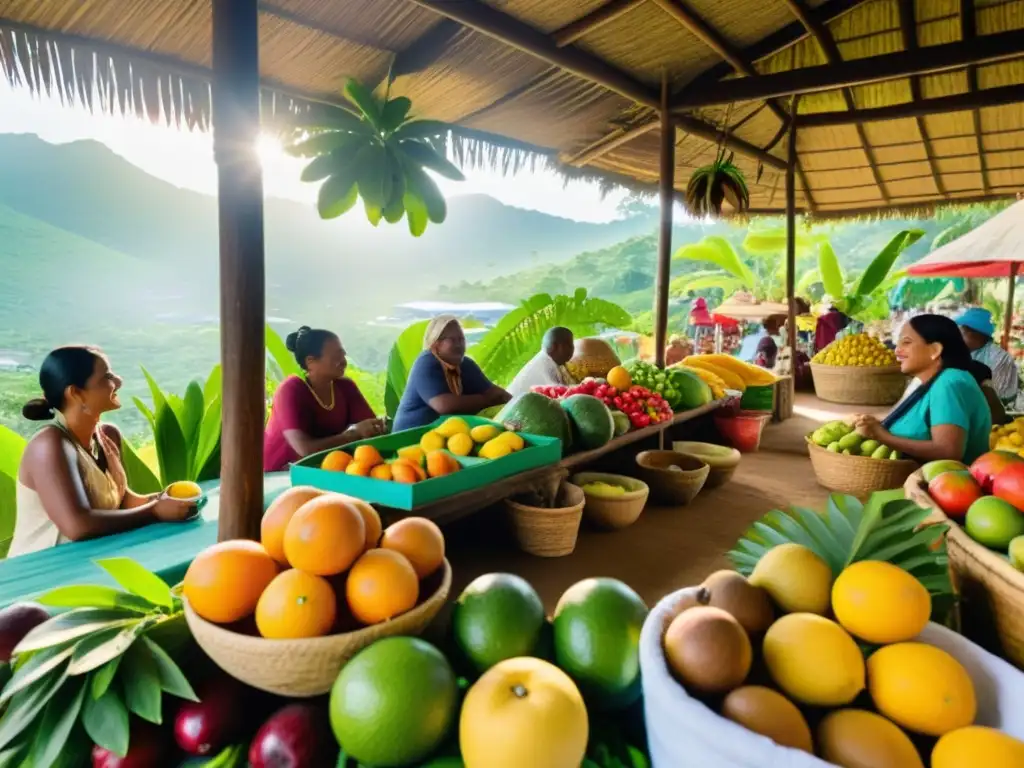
394	703
597	640
498	616
993	522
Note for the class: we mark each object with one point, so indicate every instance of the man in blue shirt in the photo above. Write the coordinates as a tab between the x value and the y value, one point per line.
977	328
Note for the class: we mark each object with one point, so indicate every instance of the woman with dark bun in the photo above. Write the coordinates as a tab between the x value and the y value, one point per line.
71	482
319	411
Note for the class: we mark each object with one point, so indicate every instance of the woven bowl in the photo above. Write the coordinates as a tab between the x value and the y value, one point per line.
858	385
547	531
721	460
616	512
858	476
674	478
309	666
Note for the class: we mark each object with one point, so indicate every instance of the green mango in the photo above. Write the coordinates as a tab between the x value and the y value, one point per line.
895	455
852	440
881	452
868	447
834	446
847	452
821	436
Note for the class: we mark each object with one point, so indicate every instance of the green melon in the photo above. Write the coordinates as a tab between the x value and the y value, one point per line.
592	422
691	391
498	616
535	414
621	421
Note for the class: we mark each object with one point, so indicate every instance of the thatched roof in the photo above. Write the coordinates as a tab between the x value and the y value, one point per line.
585	95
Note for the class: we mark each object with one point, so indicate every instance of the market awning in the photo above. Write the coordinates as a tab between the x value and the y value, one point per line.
742	309
991	250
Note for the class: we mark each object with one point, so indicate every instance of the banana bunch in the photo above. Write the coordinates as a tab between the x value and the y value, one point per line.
712	184
715	382
736	373
379	154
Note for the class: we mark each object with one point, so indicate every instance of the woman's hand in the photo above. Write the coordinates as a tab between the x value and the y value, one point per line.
168	510
867	425
368	428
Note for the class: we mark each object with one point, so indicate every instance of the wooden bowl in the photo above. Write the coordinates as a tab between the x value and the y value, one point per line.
612	513
721	460
308	666
674	478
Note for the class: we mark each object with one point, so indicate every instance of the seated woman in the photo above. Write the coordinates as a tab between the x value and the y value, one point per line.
321	410
945	416
71	482
443	381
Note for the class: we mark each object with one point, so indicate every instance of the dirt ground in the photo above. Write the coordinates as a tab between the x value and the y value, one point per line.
667	548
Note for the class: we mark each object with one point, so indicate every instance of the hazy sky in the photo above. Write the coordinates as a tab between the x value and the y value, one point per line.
185	159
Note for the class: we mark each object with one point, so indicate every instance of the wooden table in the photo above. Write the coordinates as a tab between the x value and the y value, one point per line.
168	548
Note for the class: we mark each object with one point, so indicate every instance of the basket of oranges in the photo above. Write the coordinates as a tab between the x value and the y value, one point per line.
857	369
284	614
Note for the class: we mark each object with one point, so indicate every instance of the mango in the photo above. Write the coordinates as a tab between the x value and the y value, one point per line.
453	426
484	432
834	447
881	452
495	449
868	447
432	441
460	444
512	440
850	441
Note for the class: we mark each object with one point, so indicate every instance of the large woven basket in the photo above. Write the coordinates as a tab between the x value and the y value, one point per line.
858	385
674	478
548	532
307	667
858	476
612	513
992	590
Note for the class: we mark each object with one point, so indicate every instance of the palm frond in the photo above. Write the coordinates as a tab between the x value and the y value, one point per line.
719	252
703	280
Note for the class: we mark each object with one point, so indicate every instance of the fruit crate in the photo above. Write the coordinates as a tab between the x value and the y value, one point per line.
475	473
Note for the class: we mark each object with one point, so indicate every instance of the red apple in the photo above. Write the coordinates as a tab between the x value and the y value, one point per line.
297	736
954	492
206	726
1008	485
147	748
988	465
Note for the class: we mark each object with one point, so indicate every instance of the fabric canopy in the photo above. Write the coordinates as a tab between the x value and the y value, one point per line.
988	251
750	310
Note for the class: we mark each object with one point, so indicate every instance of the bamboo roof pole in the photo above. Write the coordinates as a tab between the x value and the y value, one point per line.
666	186
1008	315
791	237
236	126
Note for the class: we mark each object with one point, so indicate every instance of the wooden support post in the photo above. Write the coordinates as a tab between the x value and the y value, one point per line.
236	126
791	239
1008	319
666	186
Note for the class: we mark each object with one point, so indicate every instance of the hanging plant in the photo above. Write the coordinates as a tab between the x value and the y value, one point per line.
376	153
711	185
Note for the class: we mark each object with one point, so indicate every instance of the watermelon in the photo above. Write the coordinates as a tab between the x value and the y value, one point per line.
692	391
621	421
592	422
535	414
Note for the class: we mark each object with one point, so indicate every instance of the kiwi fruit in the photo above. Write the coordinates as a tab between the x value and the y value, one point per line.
708	650
751	606
770	714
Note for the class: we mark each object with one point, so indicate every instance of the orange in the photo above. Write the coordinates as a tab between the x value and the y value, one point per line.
381	472
276	518
420	540
336	461
371	520
358	468
421	473
404	472
325	535
225	581
296	604
368	455
440	463
381	585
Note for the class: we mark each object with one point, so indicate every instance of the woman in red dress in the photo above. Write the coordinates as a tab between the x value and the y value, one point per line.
319	411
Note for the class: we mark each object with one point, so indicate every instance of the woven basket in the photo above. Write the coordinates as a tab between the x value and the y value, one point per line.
306	667
858	476
977	570
722	466
610	514
858	385
675	487
548	532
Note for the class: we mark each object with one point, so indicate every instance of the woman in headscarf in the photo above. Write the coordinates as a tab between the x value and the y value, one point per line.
443	381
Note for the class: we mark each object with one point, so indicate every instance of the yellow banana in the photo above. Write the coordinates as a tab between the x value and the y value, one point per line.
752	375
731	380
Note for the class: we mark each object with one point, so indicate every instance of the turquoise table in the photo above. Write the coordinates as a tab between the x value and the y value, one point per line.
164	548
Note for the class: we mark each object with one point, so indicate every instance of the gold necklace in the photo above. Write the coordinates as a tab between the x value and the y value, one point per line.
317	397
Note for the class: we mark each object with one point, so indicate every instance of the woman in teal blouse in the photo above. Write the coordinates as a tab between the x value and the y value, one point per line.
946	416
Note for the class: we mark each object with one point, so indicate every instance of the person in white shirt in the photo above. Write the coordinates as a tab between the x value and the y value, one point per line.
548	366
977	328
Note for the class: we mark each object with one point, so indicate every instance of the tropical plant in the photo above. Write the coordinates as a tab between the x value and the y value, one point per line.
712	184
886	527
80	675
12	445
763	275
379	154
404	352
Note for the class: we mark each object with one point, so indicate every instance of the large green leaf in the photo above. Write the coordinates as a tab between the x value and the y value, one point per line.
172	679
141	679
12	445
207	451
140	477
772	242
55	725
70	625
137	580
718	251
702	281
192	417
404	351
880	266
830	270
171	449
26	705
106	721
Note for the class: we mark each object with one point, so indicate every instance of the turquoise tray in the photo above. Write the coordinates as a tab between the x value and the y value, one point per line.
475	473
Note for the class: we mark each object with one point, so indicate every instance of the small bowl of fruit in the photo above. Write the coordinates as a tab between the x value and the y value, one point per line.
188	492
611	501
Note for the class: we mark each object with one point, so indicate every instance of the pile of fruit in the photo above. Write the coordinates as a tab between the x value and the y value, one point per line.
434	456
987	499
782	653
730	372
591	358
857	349
635	406
1008	437
682	388
323	565
839	437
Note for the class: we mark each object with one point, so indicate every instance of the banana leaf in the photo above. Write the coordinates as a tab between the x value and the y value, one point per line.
140	477
768	242
882	264
12	445
285	361
404	351
704	280
718	251
517	337
830	270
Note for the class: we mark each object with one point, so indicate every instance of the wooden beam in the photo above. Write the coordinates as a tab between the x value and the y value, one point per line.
791	236
427	49
961	102
968	30
597	18
1008	315
908	27
985	49
666	186
486	20
236	128
833	56
706	33
612	141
